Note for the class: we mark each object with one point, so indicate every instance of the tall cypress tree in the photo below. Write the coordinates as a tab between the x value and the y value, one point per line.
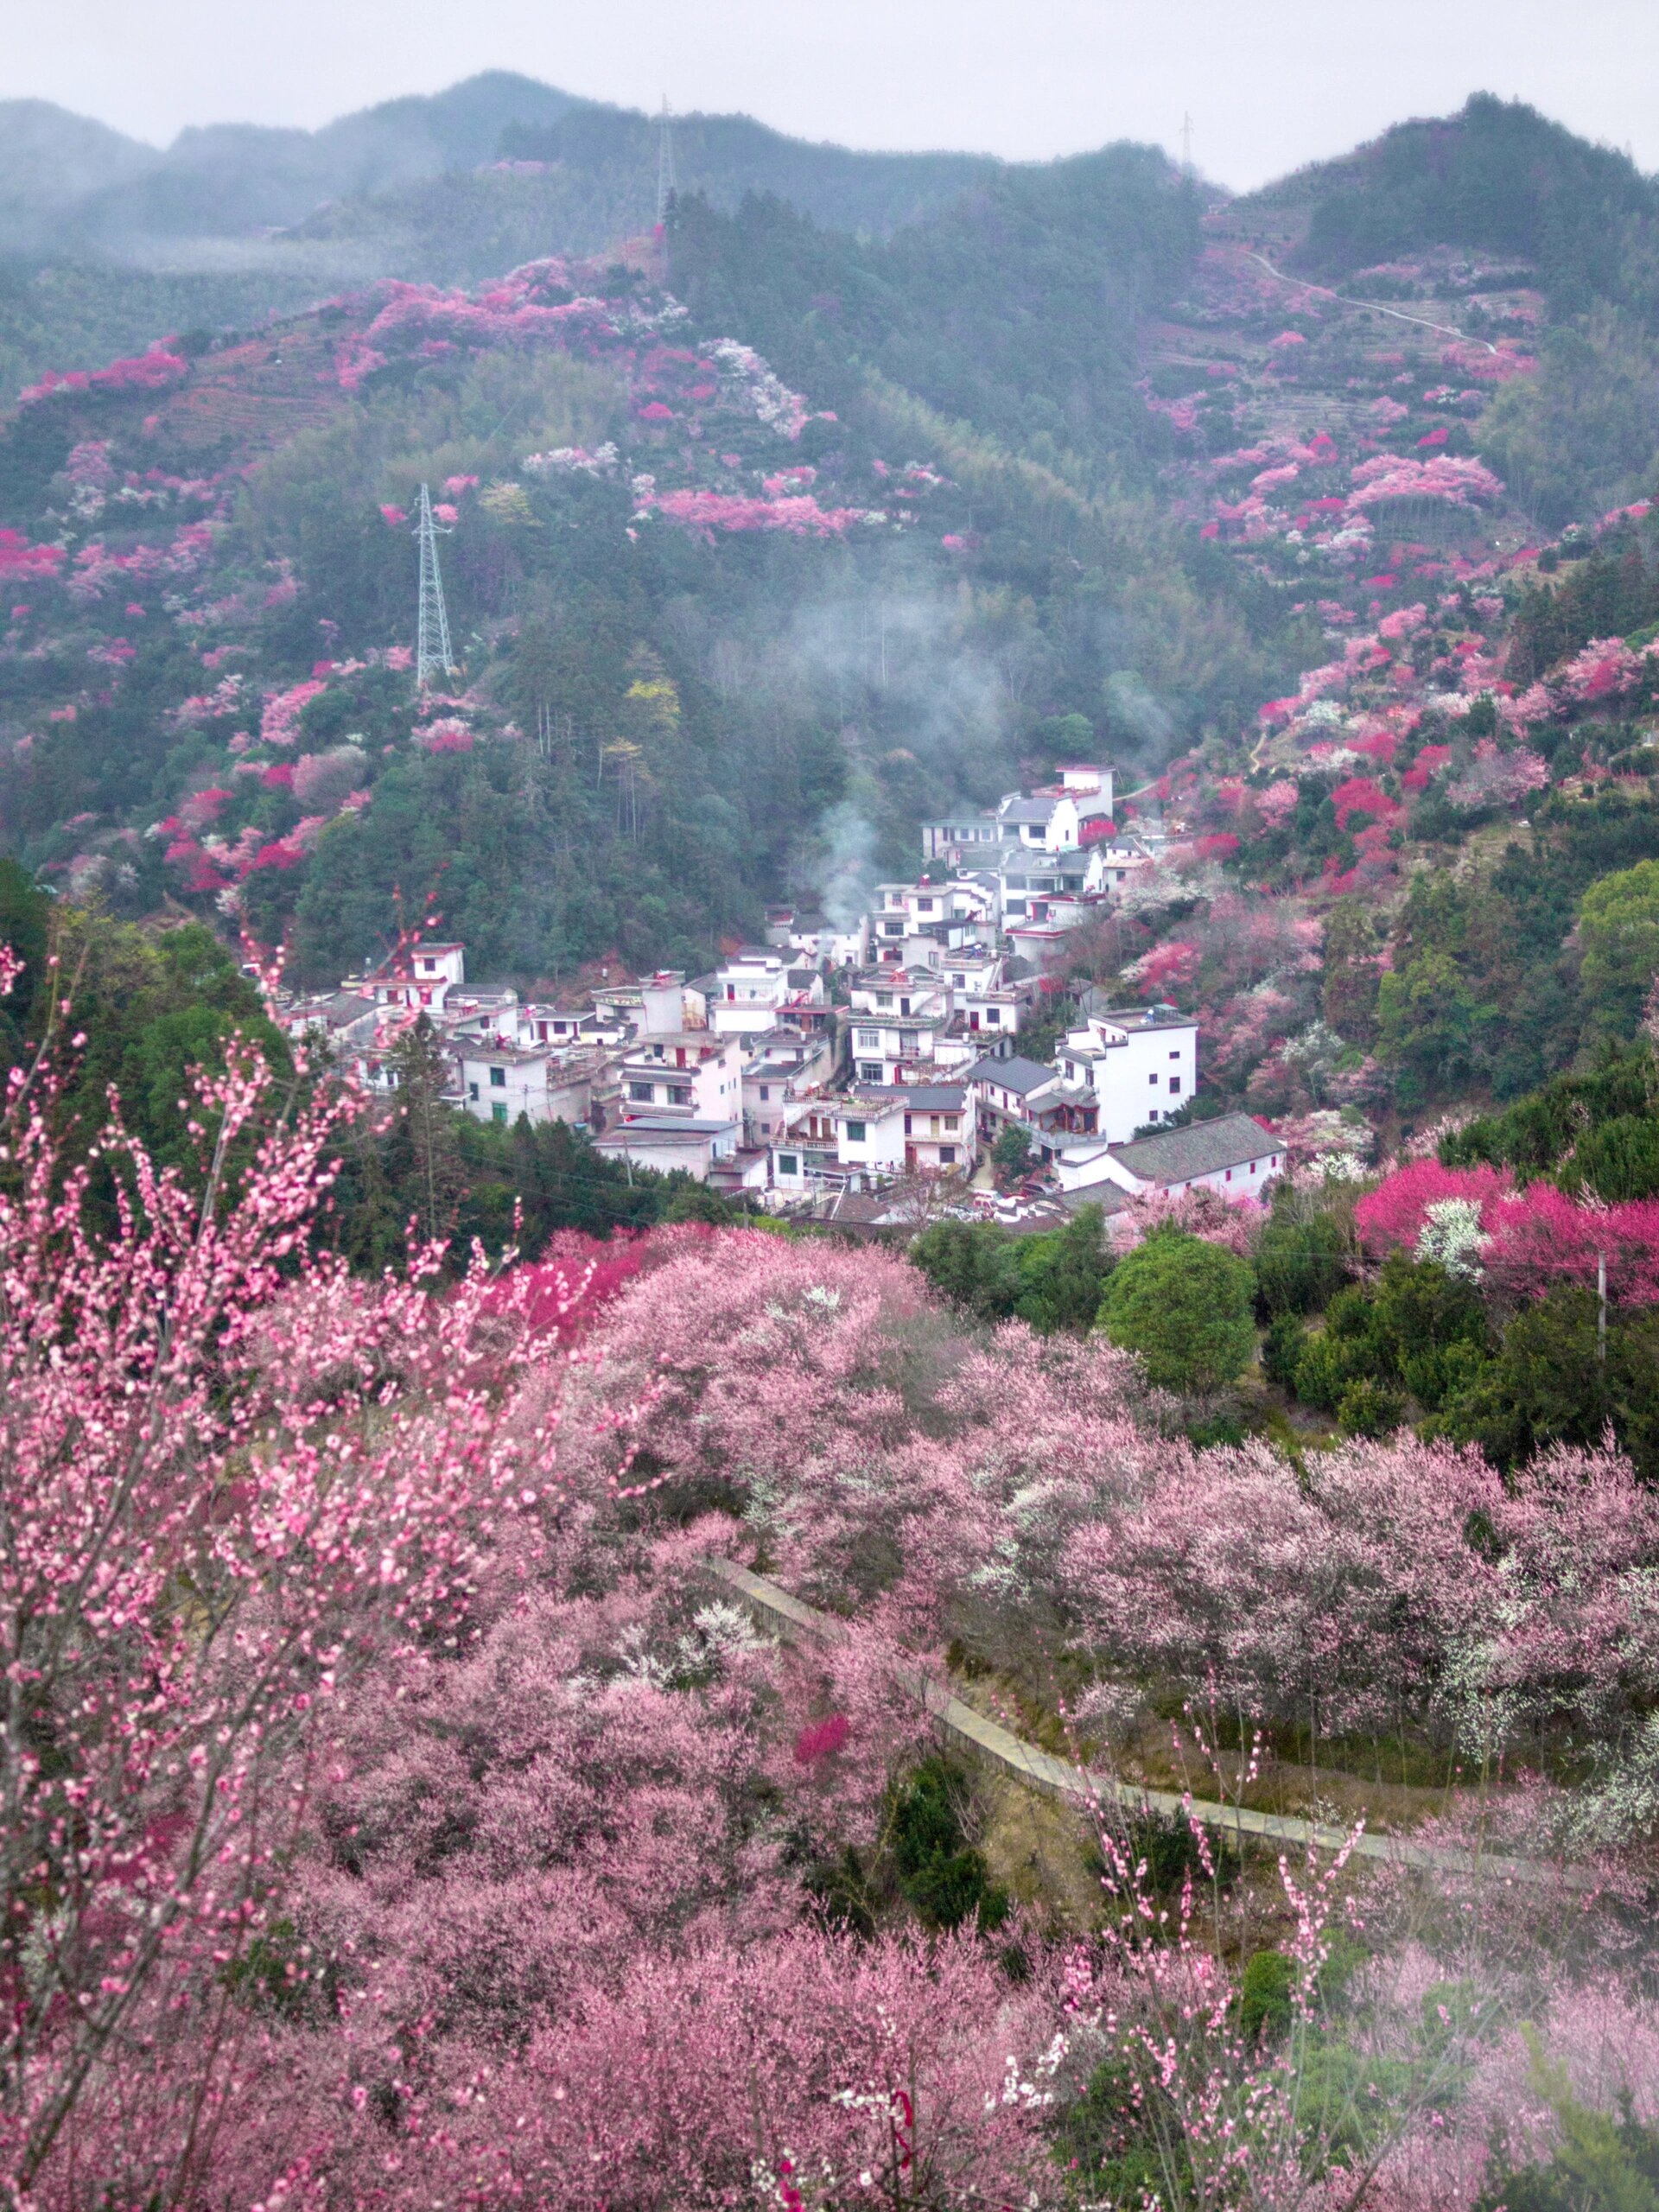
421	1155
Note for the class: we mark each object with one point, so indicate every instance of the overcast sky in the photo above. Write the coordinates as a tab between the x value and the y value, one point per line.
1268	83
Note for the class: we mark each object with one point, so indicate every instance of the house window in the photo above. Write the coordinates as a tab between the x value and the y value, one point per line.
1255	1164
869	1070
870	1040
892	929
498	1079
1152	1079
499	1111
1175	1084
789	1163
640	1090
472	1091
1153	1115
992	1016
947	1155
908	1127
1176	1054
765	1094
678	1095
855	1132
924	906
951	1120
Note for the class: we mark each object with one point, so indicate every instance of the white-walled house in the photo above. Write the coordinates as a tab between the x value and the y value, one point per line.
888	1050
1115	862
1031	887
343	1019
1233	1154
748	991
907	992
539	1024
694	1072
994	1013
666	1142
869	1131
1141	1063
500	1081
805	1154
919	1126
420	977
938	1126
780	1066
973	968
1009	1090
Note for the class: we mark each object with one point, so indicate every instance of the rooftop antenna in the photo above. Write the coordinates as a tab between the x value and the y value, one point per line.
1186	145
666	183
432	654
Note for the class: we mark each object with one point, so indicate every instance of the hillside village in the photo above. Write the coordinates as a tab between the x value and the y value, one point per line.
855	1075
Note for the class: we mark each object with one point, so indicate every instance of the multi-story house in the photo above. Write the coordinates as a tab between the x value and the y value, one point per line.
420	977
748	991
805	1154
892	1049
696	1073
904	991
1141	1063
777	1068
1115	863
499	1081
1056	819
886	1132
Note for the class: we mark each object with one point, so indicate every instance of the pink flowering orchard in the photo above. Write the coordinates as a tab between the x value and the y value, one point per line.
400	1812
203	1545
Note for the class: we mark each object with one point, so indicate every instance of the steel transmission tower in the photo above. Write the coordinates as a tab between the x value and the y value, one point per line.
432	654
666	184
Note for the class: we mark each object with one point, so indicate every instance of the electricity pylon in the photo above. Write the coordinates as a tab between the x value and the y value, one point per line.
666	185
432	654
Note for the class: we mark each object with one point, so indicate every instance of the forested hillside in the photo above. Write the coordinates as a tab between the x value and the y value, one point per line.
105	242
718	632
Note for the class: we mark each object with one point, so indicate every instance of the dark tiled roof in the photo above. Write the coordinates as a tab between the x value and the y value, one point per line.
932	1098
1107	1196
1015	1073
1202	1148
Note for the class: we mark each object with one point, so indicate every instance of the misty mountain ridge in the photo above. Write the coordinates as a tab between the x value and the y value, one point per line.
70	185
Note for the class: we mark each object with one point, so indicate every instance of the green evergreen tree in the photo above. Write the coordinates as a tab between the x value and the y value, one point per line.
421	1156
1185	1307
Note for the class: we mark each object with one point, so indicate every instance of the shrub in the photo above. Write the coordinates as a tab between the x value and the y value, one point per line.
1368	1409
1328	1364
1618	1160
1300	1265
1264	1993
1282	1351
942	1876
